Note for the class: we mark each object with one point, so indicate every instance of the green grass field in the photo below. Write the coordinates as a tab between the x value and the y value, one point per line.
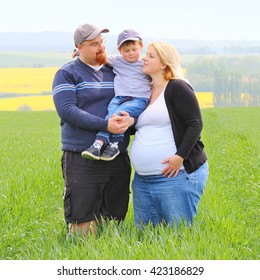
31	187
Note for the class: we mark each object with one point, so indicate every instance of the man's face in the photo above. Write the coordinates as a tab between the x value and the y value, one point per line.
93	51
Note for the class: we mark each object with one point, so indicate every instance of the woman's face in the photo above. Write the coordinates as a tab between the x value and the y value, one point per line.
152	62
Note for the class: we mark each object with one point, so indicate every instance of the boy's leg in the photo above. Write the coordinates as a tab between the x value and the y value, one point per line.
102	138
133	107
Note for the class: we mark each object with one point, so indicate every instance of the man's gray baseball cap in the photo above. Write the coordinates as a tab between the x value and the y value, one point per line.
87	31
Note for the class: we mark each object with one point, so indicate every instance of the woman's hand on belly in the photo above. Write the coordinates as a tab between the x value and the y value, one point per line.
173	166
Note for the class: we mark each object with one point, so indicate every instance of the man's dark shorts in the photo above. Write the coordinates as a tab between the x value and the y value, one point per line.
95	188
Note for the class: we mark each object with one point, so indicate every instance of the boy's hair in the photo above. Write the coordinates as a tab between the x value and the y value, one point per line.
130	42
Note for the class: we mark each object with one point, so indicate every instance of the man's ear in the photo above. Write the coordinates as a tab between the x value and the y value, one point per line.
79	47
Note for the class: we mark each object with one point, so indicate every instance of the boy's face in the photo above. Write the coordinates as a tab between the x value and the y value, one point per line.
131	51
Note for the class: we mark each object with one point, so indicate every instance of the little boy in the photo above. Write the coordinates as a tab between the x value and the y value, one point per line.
132	93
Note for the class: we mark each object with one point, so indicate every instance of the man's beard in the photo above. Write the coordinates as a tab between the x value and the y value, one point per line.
101	58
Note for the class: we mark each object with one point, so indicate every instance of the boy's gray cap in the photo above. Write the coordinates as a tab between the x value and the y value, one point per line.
87	31
128	35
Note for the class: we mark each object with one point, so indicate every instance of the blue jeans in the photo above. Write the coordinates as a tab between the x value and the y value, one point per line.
159	199
133	105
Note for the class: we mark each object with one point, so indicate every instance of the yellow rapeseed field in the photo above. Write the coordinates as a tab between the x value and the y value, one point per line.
205	99
25	103
45	102
26	80
39	80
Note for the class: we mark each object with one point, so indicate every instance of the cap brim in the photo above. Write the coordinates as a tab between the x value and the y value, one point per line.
96	33
128	39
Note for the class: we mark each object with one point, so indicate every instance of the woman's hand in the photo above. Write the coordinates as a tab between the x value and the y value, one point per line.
174	164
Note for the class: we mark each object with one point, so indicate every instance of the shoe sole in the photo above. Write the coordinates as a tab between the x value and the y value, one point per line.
88	155
110	158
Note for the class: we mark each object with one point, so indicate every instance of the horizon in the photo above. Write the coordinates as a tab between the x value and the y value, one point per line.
110	34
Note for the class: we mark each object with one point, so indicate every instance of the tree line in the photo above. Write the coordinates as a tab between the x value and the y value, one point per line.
234	80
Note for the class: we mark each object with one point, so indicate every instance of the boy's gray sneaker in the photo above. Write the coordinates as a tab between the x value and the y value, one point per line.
109	153
92	153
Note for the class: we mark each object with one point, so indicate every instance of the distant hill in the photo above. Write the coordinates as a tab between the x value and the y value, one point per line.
36	42
63	42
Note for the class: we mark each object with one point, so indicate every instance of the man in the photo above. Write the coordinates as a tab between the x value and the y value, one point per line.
82	90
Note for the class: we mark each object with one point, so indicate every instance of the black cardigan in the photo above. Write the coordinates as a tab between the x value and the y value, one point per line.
186	121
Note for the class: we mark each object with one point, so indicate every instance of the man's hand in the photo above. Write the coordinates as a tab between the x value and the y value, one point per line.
119	124
127	118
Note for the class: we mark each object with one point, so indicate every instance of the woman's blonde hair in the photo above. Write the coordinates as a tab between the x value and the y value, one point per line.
170	57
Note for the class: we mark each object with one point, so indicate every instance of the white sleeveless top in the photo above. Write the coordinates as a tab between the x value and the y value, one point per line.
153	141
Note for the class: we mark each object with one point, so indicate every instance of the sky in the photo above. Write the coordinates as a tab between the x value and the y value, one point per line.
157	19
